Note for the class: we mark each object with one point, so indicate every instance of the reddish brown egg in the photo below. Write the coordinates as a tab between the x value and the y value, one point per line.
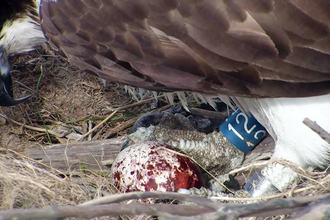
152	166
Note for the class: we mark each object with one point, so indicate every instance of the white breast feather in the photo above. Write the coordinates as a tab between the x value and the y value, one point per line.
283	118
21	35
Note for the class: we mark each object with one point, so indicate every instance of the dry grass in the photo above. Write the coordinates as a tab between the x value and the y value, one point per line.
24	185
64	95
61	95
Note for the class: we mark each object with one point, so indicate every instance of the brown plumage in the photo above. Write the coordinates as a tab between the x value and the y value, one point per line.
255	48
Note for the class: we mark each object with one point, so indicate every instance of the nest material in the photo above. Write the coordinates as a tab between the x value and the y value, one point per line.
24	185
65	94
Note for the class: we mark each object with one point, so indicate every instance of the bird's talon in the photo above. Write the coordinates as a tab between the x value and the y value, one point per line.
6	99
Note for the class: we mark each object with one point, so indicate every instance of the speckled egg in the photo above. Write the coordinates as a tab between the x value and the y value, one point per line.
152	166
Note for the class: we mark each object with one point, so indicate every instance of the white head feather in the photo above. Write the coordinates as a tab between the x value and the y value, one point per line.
22	34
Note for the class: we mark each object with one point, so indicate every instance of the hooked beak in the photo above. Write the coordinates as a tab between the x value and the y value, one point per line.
6	87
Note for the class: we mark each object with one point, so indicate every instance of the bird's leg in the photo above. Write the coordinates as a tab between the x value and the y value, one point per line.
294	141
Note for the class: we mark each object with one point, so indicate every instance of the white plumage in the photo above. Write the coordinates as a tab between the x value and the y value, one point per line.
21	35
283	119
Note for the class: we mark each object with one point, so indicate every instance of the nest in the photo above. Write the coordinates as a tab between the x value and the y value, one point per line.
67	103
25	185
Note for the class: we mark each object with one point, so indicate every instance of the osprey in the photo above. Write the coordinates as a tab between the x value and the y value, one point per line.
270	57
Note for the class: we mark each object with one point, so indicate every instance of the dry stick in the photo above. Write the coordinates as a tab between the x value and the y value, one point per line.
99	125
317	129
130	122
115	198
278	195
140	102
121	127
184	155
112	114
96	208
249	167
84	135
31	127
205	208
265	163
36	161
283	162
89	212
268	208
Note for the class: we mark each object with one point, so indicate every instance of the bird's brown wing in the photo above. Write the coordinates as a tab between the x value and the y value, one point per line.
257	48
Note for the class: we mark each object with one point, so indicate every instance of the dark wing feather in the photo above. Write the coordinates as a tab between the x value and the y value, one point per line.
256	48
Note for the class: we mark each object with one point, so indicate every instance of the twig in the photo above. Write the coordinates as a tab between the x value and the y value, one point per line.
31	127
266	209
159	195
38	110
206	209
130	122
35	161
278	195
283	162
99	125
215	178
121	127
249	167
89	212
317	129
112	114
140	102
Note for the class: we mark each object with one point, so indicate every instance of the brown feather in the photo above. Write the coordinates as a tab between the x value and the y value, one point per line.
298	22
259	6
256	48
